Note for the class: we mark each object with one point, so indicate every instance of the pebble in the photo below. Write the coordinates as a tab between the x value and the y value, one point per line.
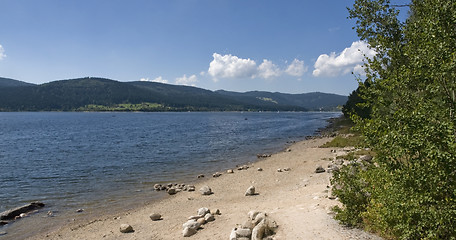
260	169
250	191
229	171
320	169
155	217
125	228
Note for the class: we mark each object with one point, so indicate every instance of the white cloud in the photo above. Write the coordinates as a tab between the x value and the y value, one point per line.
158	79
229	66
2	53
267	69
349	60
296	68
189	81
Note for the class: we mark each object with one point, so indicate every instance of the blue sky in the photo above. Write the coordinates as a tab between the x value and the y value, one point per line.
237	45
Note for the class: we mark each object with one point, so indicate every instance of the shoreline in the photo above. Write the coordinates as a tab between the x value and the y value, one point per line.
296	199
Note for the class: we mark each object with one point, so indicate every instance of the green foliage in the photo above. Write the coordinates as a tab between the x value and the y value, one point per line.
356	104
344	141
410	191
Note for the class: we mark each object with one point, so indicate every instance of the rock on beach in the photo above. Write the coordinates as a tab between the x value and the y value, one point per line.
206	190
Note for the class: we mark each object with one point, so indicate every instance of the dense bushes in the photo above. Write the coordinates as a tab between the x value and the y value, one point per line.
410	190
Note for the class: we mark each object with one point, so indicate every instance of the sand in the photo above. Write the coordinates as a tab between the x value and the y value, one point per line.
297	200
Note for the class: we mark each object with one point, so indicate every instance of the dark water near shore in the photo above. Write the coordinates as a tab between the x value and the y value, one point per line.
105	160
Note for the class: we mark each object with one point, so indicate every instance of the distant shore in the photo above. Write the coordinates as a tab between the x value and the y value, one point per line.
297	199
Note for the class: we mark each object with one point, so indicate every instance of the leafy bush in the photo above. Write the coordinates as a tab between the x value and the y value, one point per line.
410	190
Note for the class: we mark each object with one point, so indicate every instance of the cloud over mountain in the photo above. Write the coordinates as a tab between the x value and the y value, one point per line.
229	66
188	81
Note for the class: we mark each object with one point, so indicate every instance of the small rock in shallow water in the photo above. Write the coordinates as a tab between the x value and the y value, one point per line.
171	191
200	176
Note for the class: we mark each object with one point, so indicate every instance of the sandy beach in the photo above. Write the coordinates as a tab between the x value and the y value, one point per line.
297	200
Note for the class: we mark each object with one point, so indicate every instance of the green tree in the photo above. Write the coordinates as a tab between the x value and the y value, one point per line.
411	190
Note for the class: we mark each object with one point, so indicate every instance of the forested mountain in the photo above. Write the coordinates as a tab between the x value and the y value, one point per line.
7	82
99	94
312	101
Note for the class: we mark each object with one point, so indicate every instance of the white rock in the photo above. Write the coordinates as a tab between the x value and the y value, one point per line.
233	234
125	228
191	188
203	211
243	232
259	217
209	217
252	214
250	191
206	190
187	232
229	171
191	224
258	231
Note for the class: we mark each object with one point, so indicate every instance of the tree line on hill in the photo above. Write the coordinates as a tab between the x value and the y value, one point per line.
99	94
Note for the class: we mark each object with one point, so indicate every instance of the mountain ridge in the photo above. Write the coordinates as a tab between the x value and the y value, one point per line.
102	94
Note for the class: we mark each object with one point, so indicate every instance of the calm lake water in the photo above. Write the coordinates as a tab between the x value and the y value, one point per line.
110	160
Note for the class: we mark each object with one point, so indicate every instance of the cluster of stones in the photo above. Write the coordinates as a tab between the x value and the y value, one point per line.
127	228
194	223
263	155
258	226
284	169
173	188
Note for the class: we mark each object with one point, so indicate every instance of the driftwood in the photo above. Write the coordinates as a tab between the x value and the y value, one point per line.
16	212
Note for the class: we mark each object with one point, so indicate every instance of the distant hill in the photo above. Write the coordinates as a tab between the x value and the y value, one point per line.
315	101
99	94
8	82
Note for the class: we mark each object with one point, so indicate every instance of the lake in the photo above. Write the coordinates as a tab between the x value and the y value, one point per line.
100	161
